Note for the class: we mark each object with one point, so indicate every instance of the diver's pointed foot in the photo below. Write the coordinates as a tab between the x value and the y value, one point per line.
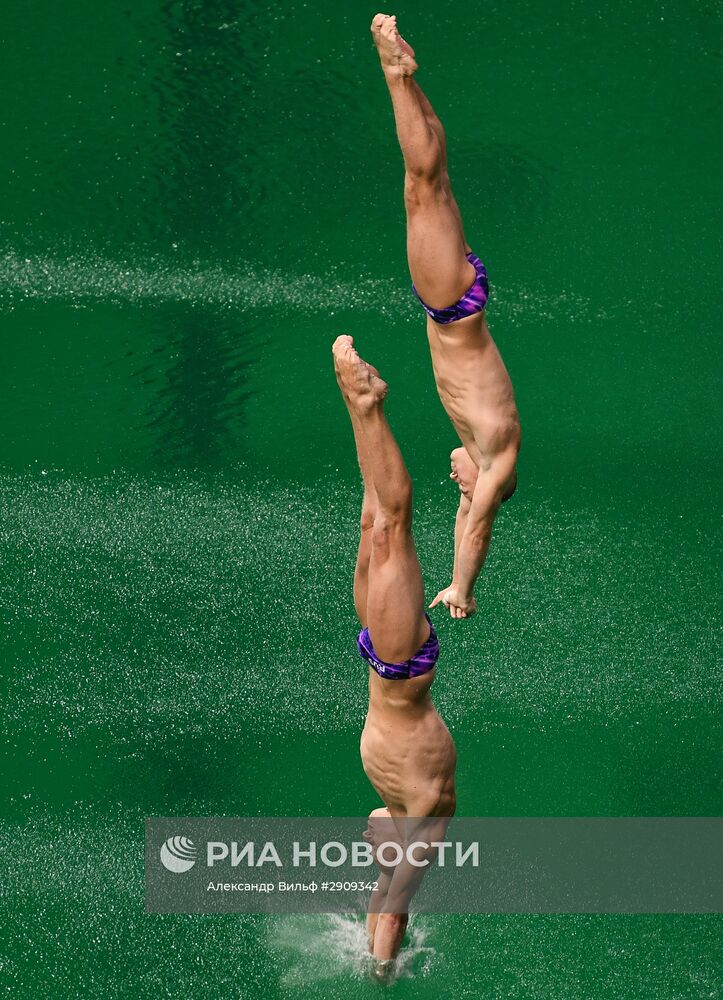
396	55
361	384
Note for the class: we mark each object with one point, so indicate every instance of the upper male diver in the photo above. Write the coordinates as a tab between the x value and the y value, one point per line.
407	751
451	284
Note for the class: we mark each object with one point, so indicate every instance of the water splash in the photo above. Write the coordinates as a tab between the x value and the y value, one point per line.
322	947
80	278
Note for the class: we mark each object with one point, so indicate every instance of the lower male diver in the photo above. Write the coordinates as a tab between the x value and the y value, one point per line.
406	749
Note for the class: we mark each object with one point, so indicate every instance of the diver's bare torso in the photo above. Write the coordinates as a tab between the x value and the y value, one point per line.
474	387
407	751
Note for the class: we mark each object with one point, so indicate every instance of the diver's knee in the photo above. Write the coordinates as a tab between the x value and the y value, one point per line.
397	508
389	525
422	187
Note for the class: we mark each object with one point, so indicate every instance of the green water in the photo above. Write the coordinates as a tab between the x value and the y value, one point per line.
198	197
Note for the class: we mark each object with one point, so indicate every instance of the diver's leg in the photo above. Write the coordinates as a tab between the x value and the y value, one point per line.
368	513
395	592
436	245
395	599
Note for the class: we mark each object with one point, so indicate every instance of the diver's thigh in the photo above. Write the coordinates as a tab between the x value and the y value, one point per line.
395	602
436	247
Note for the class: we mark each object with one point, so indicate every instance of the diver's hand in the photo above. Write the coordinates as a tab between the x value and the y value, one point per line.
459	605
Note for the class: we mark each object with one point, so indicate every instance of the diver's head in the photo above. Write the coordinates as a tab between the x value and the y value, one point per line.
464	471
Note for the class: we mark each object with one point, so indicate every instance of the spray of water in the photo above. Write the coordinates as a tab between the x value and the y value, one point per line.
80	278
322	947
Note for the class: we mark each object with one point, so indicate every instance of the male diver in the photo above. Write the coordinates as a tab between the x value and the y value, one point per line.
451	285
406	749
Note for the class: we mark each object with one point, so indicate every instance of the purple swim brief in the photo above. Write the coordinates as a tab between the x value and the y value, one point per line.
473	301
422	662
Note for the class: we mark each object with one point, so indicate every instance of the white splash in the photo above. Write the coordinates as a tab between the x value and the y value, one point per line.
79	279
83	278
334	945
